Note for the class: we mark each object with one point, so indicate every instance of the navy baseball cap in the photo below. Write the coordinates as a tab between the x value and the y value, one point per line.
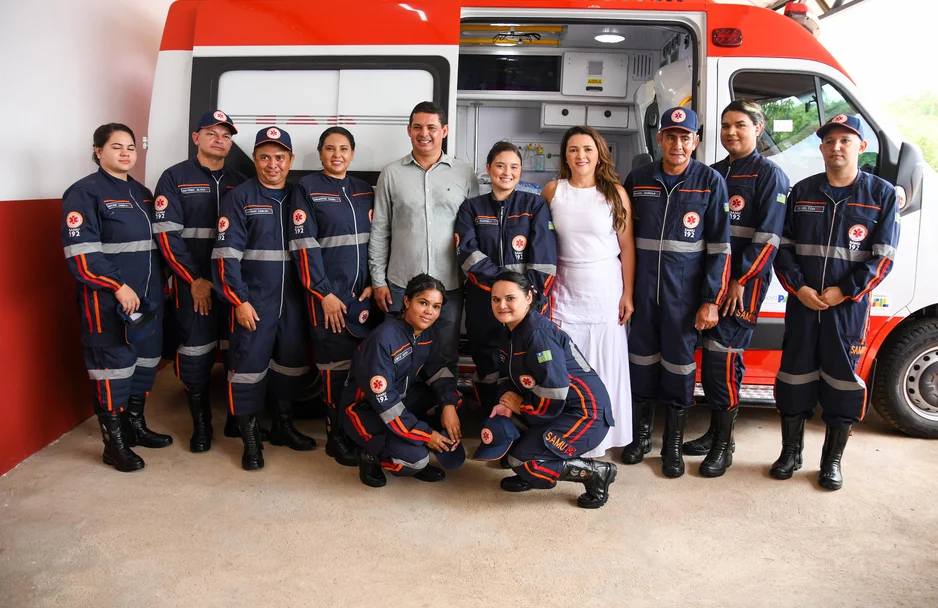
274	135
679	118
452	459
846	121
141	324
358	319
498	433
216	117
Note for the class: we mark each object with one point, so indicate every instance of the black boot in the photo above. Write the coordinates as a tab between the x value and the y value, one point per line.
370	471
137	433
201	412
116	452
338	445
231	429
720	456
430	474
643	415
789	460
503	462
283	432
253	456
672	460
515	483
595	475
835	440
701	446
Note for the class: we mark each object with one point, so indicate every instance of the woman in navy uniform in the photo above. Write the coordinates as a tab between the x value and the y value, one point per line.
547	382
398	376
108	241
505	229
329	242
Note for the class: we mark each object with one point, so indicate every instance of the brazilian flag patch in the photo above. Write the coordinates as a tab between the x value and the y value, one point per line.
780	199
544	356
550	225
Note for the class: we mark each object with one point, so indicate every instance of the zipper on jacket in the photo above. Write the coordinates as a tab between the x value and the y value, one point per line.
501	235
146	288
357	252
283	264
218	194
664	223
827	250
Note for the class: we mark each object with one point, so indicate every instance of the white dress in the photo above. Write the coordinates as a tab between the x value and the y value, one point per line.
586	295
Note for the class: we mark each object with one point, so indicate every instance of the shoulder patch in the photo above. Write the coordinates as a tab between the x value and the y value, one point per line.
527	381
74	219
781	198
378	385
544	356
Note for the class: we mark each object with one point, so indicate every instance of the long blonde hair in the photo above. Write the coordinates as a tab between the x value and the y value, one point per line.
606	176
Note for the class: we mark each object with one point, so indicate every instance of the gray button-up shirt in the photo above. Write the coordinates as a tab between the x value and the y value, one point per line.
415	220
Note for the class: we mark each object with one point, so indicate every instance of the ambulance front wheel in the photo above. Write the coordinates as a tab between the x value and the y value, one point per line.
905	392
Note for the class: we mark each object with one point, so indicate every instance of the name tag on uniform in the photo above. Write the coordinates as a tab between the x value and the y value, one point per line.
646	193
325	198
403	354
486	221
258	211
195	190
808	208
119	205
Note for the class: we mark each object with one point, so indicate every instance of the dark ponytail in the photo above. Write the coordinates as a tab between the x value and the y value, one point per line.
424	282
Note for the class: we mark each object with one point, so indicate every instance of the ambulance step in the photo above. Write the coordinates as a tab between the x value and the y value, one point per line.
749	394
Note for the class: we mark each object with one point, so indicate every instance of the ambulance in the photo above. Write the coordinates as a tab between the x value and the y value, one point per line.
525	71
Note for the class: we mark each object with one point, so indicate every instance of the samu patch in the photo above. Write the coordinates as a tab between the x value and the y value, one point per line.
544	356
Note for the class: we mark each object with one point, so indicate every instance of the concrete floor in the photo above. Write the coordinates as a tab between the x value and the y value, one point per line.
196	530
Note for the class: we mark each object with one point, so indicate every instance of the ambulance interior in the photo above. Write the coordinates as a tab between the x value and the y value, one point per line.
528	83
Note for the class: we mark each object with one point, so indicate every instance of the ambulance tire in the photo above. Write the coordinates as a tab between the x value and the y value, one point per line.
912	348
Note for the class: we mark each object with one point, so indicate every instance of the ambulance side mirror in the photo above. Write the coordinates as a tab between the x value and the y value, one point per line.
909	177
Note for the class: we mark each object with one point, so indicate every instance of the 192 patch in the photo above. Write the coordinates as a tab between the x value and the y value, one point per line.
737	203
519	242
692	219
74	219
378	384
299	217
161	203
527	381
857	233
223	223
544	356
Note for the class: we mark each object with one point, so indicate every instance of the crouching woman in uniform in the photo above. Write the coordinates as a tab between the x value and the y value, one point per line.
108	241
559	397
399	388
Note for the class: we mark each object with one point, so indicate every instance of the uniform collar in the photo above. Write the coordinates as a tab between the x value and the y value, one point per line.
853	188
446	159
203	168
334	180
744	161
114	180
659	171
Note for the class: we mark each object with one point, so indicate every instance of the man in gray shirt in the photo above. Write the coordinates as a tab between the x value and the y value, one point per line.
414	224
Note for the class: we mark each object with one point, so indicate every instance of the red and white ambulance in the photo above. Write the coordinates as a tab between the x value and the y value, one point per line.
525	70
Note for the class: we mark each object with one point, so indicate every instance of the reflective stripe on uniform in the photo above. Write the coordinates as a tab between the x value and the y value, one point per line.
843	385
335	366
345	240
796	379
474	258
550	393
443	373
838	253
196	351
392	412
160	227
111	374
579	358
307	243
715	248
680	370
488	379
420	464
715	346
82	248
226	252
645	360
130	247
148	361
266	255
886	251
288	371
198	233
243	378
742	231
766	237
675	246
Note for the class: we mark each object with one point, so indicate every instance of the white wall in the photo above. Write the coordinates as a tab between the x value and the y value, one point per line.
68	66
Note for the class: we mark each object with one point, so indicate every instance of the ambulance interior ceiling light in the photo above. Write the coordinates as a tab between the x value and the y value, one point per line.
609	38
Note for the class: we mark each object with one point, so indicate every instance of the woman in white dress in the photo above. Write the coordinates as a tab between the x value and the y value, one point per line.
592	298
